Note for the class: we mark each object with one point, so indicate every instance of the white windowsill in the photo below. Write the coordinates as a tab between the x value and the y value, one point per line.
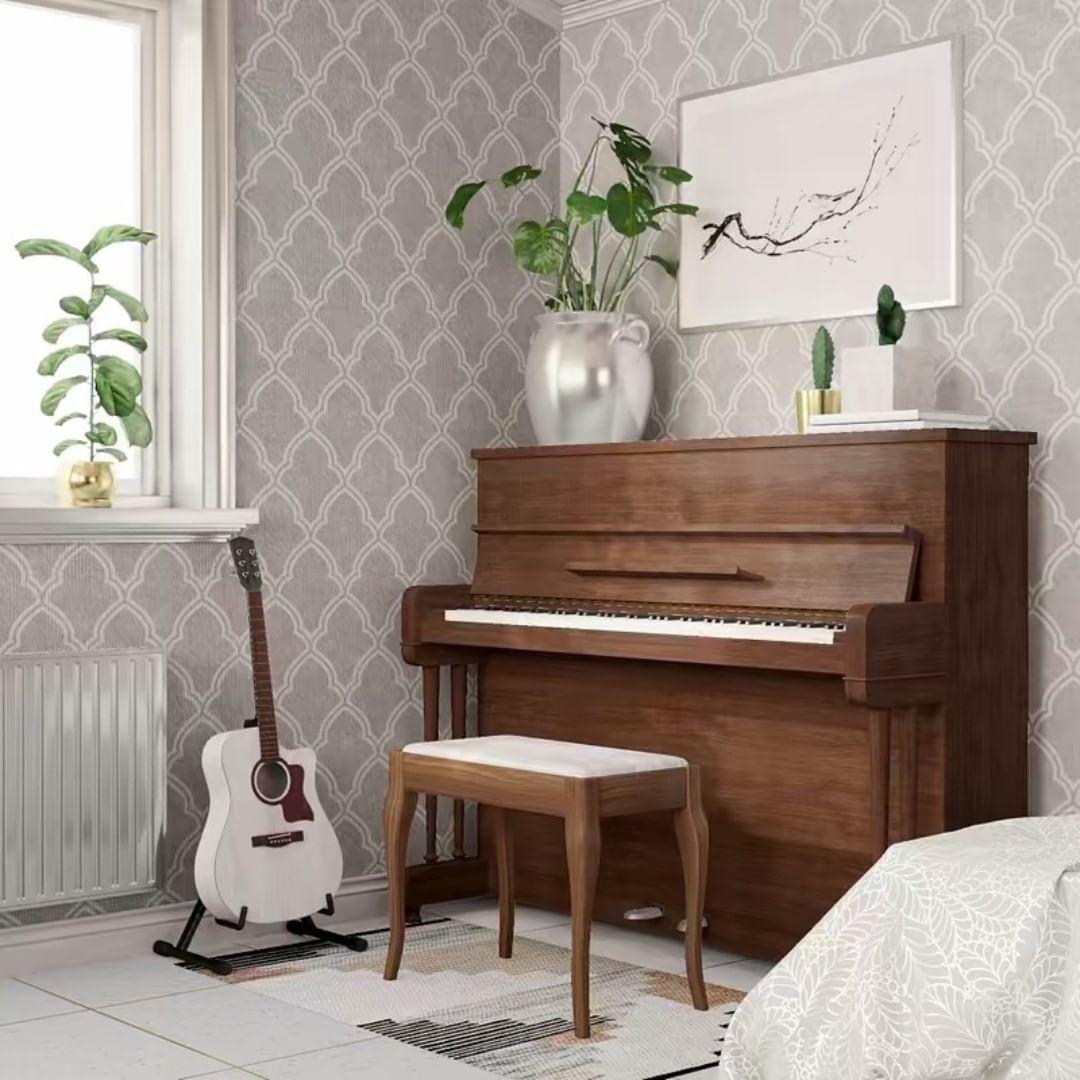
120	525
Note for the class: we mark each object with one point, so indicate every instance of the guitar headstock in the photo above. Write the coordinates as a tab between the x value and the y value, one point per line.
246	560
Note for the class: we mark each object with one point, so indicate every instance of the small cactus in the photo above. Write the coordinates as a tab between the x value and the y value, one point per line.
891	317
822	357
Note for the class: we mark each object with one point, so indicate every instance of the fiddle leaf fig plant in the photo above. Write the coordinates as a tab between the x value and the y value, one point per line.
111	384
571	248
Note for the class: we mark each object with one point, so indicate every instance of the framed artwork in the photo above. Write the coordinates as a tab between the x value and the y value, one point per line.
817	188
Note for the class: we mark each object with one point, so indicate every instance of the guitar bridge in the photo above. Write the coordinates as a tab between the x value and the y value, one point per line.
281	839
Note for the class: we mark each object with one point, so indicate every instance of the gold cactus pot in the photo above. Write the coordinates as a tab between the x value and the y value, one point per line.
87	483
813	403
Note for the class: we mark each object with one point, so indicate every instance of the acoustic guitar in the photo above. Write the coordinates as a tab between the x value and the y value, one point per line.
268	853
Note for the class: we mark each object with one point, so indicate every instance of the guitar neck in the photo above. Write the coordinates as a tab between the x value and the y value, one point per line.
260	671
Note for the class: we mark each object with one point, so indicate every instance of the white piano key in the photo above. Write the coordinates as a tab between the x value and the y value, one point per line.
675	626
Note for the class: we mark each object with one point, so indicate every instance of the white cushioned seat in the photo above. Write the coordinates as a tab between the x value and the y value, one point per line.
546	756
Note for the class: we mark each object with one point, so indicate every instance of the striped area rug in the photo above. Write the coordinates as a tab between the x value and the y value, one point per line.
455	998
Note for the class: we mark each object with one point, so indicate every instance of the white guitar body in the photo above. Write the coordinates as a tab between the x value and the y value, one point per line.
250	856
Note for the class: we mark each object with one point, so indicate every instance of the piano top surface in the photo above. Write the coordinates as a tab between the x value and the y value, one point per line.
760	442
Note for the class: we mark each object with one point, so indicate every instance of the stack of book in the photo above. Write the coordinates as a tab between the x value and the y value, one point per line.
900	420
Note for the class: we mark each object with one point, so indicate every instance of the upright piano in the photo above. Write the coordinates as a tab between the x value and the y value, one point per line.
834	627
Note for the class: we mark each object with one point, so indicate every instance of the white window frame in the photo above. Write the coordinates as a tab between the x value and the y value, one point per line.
188	198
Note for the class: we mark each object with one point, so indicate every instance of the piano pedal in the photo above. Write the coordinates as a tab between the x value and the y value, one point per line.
643	914
682	924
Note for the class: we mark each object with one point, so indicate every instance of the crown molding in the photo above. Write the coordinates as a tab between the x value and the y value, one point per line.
577	12
547	11
585	11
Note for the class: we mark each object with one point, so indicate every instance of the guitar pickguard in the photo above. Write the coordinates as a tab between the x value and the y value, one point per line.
295	807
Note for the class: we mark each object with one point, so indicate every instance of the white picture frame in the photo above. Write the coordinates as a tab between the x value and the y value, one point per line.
820	187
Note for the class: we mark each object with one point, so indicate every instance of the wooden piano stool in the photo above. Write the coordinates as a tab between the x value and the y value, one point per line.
579	783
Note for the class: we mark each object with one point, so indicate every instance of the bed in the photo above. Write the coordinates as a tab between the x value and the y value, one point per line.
956	957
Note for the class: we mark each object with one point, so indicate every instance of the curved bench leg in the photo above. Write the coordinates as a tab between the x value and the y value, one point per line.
583	862
398	811
504	858
692	830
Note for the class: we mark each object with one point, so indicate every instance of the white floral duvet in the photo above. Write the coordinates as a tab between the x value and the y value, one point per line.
956	957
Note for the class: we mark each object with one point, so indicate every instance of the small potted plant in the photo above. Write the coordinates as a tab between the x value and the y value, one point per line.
883	377
589	375
823	398
108	385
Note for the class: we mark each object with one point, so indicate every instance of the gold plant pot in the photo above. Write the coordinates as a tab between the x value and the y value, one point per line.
87	483
813	403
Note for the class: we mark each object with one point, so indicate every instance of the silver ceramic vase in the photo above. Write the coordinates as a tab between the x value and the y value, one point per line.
589	378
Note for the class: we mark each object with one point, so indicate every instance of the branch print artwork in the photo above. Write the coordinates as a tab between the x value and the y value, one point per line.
814	186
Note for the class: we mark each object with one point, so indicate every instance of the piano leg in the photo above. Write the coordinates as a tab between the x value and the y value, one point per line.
458	692
431	734
880	741
886	725
906	722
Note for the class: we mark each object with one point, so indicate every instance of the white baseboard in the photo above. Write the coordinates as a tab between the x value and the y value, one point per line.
95	938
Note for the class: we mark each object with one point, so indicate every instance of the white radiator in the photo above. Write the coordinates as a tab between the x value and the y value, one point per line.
82	776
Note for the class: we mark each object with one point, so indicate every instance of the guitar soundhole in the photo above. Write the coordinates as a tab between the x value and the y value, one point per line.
271	781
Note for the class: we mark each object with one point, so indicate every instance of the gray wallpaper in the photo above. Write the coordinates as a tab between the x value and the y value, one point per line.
1011	350
375	349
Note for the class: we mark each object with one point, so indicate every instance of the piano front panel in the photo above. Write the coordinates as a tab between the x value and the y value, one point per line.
810	480
786	780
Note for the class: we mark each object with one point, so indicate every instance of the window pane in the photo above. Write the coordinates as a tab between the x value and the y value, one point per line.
69	140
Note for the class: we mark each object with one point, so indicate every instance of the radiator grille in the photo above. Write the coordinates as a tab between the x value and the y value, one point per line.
82	776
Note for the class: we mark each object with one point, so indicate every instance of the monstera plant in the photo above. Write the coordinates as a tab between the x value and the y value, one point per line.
585	272
93	384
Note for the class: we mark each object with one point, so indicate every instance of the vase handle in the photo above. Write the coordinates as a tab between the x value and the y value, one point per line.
635	328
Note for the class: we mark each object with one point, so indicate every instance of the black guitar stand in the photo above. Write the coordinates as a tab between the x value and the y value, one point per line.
305	927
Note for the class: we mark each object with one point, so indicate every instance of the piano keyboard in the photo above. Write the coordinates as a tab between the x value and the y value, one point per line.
619	622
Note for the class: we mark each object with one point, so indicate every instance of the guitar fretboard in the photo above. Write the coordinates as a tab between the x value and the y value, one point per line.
260	672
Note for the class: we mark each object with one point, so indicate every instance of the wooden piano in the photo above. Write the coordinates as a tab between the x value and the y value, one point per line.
833	627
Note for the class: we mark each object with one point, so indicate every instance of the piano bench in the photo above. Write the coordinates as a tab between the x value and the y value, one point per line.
581	784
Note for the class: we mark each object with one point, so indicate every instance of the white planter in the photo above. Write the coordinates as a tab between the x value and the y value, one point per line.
884	378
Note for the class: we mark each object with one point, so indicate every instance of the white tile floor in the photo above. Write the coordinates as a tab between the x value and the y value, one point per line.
145	1019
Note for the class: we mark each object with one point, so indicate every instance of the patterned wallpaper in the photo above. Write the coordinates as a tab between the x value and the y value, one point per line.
1011	350
372	355
375	349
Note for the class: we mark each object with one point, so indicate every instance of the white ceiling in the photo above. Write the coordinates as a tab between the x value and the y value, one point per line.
565	13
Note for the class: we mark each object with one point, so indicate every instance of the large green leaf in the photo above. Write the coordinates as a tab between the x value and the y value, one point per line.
55	330
673	174
57	392
520	174
51	363
112	452
137	427
75	305
102	434
67	444
455	208
629	209
670	266
26	248
583	207
118	385
134	308
541	249
69	417
117	234
686	209
97	296
128	337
